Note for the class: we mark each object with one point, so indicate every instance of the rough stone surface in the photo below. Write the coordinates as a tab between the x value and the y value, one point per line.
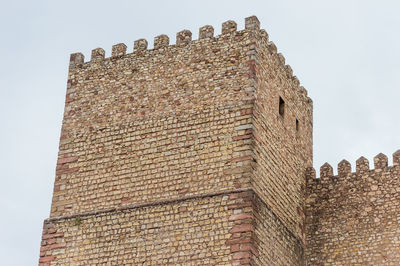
186	231
200	153
354	219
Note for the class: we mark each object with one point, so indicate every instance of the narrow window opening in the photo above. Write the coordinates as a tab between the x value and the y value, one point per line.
281	106
297	125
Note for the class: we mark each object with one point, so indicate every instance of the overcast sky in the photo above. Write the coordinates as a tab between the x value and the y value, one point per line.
345	53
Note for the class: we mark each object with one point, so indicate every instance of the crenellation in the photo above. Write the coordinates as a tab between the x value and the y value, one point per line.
289	71
380	161
344	168
281	59
303	92
161	41
229	27
264	35
296	81
76	60
326	171
252	23
310	174
97	55
206	31
140	45
362	165
396	158
272	47
183	37
118	50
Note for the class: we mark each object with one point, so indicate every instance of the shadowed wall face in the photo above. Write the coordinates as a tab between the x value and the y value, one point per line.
283	137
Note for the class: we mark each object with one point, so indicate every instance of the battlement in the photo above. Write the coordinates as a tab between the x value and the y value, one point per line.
184	40
344	169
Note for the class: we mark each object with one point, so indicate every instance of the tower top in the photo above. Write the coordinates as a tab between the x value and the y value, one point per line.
183	38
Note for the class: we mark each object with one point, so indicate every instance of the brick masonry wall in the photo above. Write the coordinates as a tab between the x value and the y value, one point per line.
354	218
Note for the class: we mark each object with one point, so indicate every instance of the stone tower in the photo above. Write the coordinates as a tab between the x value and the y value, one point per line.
192	153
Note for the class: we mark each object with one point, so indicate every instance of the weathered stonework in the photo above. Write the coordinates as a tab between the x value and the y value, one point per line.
354	218
194	153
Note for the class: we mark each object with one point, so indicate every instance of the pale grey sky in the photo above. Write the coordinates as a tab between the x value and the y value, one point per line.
345	53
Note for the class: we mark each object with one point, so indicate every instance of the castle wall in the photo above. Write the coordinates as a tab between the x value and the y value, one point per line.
155	124
282	149
354	218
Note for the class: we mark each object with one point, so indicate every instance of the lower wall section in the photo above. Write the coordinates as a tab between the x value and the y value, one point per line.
228	228
208	230
276	245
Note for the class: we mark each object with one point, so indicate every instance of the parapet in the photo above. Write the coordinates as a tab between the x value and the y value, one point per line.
344	169
183	39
